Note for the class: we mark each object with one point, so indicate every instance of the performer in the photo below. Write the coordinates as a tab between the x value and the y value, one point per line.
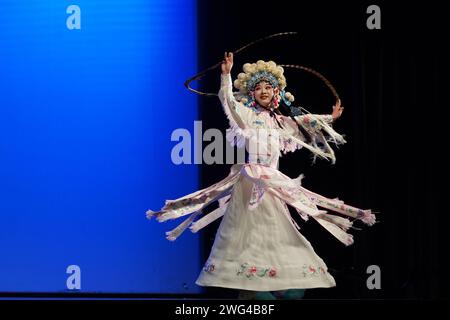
258	246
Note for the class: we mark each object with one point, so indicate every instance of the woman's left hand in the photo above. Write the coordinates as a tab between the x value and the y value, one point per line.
337	110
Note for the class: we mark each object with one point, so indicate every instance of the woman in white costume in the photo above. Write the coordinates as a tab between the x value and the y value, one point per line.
258	247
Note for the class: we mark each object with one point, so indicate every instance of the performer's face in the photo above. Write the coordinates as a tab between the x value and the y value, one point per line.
264	93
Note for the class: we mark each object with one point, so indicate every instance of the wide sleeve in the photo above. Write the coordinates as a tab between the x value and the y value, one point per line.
311	120
314	132
235	111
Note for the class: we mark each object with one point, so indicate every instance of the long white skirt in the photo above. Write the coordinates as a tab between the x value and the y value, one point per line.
258	246
261	249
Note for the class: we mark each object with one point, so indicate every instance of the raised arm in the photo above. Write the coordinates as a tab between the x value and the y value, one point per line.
318	133
311	120
235	111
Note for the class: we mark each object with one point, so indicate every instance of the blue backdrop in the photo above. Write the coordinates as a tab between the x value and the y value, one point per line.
88	102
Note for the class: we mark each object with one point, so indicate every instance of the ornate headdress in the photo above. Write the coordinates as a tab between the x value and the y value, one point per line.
259	71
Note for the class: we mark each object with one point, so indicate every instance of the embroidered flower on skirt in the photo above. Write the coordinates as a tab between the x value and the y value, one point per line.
252	271
209	267
312	270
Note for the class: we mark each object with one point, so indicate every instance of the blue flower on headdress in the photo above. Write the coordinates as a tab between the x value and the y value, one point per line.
295	111
260	76
251	104
283	97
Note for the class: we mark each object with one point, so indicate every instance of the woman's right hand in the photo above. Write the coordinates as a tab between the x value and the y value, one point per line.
227	63
337	110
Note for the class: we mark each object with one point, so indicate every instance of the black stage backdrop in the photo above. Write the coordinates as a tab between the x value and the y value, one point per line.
391	83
